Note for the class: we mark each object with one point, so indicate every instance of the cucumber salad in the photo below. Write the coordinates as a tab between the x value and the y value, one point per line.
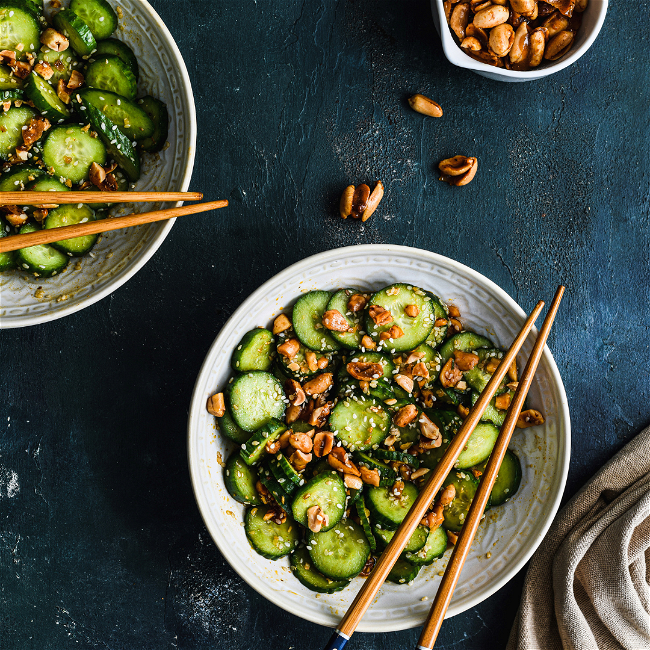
69	119
340	412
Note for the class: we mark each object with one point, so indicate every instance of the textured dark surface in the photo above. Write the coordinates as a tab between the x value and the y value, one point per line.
101	544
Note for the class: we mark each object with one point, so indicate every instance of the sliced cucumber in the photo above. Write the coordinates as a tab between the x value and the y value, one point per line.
399	456
157	111
7	259
254	449
403	572
240	480
271	484
431	359
297	367
387	475
341	552
70	151
508	478
117	143
110	73
307	322
339	301
440	311
8	80
11	95
231	430
455	513
364	517
118	48
269	539
62	63
43	260
417	540
47	184
373	357
285	473
19	177
44	97
465	342
479	446
98	15
388	511
76	31
11	128
492	413
302	567
360	422
253	351
435	547
395	299
19	29
326	490
68	215
255	398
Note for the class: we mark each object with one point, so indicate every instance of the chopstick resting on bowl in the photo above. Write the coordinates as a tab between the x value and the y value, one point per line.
50	235
473	519
390	555
69	198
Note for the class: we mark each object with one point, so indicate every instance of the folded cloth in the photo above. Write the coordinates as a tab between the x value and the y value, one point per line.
588	584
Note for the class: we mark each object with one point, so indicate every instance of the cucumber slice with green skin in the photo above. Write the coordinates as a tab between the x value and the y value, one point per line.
417	540
240	480
387	475
117	144
308	324
326	490
11	129
44	97
465	342
297	367
319	467
449	395
479	446
341	552
360	422
440	310
492	413
455	513
255	398
435	547
47	184
19	29
398	456
303	570
508	478
11	95
45	261
364	517
98	15
254	449
19	177
269	539
416	330
339	301
253	351
68	215
231	430
300	426
69	153
118	48
271	484
111	74
8	80
62	63
157	111
388	511
8	259
372	357
478	379
76	31
403	572
285	473
354	496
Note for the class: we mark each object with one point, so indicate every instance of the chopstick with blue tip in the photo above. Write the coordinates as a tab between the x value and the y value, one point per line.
50	235
373	583
473	519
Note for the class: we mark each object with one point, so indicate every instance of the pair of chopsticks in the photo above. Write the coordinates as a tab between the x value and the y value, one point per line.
50	235
390	555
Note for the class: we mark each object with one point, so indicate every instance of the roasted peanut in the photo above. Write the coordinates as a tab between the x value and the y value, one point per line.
412	310
281	324
447	495
323	443
365	371
339	460
555	24
450	375
428	429
369	476
529	418
292	414
301	441
501	39
419	472
520	46
368	343
379	315
524	7
335	321
503	401
299	460
322	363
316	519
405	415
491	17
459	19
216	405
471	43
357	302
420	370
311	359
352	482
465	360
458	170
424	105
404	382
289	348
294	392
54	40
373	201
537	46
395	332
559	45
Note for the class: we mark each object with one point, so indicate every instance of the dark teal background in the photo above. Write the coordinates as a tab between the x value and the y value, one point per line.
103	546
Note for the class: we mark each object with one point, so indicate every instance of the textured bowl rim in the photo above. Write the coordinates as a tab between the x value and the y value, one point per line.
458	58
197	404
156	242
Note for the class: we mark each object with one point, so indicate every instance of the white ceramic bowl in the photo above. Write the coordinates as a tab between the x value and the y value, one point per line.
512	532
593	19
120	254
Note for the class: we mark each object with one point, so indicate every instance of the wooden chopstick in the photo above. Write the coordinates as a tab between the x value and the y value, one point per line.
67	198
47	236
388	558
459	555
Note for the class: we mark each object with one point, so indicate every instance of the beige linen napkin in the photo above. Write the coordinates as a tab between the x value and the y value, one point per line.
588	584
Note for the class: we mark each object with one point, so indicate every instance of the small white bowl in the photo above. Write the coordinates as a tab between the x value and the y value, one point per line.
593	19
121	253
511	533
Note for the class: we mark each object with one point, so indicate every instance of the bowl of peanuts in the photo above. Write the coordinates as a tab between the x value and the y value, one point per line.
517	40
